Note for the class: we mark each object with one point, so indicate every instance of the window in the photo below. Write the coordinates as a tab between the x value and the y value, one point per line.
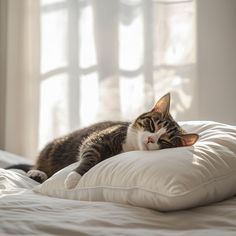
108	59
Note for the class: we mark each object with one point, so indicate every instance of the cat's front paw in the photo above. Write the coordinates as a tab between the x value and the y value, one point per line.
72	180
37	175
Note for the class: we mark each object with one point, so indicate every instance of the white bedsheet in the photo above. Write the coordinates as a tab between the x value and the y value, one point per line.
23	212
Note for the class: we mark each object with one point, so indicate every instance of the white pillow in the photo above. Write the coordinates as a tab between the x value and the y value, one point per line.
165	180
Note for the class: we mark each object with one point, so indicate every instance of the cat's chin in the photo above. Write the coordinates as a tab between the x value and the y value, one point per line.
149	147
144	147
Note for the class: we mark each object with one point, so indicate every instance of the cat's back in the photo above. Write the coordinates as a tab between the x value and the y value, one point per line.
64	150
83	133
70	143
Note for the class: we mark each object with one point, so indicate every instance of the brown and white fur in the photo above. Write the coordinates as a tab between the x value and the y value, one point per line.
153	130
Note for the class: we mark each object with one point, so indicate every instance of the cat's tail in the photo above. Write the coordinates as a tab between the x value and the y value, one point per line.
24	167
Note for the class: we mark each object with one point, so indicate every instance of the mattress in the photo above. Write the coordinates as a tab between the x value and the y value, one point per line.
23	212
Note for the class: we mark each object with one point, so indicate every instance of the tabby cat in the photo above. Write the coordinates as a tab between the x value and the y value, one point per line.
152	130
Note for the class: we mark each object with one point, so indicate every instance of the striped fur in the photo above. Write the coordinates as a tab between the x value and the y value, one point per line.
152	130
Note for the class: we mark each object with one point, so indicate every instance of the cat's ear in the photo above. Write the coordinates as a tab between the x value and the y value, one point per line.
163	105
189	139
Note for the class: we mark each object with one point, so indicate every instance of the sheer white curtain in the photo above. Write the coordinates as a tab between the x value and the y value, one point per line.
106	59
20	75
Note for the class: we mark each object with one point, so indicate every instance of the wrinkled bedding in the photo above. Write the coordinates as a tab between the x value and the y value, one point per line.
23	212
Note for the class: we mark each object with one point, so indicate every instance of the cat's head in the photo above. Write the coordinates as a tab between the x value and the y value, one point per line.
157	129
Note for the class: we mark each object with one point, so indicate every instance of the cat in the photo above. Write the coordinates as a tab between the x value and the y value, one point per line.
153	130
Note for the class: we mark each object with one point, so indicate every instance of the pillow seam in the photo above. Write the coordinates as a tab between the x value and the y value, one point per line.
152	191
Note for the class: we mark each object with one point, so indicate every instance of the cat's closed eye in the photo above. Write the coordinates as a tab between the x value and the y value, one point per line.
164	143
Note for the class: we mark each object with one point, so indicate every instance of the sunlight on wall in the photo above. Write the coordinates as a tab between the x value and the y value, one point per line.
89	98
54	116
87	54
45	2
53	38
54	87
131	56
132	96
131	43
181	49
175	57
90	72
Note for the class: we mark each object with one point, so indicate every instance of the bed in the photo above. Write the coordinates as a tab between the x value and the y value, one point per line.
25	212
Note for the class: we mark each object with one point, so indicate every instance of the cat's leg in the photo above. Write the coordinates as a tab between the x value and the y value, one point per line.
37	175
88	159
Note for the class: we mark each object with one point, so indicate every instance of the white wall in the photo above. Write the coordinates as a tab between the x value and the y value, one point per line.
216	36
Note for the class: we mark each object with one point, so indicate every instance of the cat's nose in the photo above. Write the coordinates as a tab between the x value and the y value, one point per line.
150	140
